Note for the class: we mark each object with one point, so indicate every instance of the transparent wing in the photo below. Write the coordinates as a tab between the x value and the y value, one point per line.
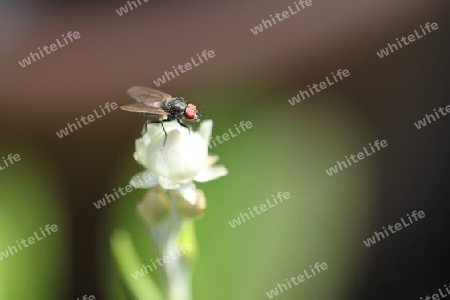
148	96
141	108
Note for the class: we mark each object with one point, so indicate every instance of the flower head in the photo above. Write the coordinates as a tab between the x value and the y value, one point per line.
182	159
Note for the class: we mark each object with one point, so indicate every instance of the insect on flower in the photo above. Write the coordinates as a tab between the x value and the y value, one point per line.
160	107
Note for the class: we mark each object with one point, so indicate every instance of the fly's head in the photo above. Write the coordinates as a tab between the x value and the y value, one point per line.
192	113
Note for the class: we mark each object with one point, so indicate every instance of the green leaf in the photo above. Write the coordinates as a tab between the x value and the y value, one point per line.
129	262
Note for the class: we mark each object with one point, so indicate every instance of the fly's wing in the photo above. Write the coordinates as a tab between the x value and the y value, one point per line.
143	109
148	96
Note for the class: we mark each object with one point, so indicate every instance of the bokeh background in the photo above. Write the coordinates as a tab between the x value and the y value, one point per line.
289	147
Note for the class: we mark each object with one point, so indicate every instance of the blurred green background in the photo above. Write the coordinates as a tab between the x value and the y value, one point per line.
31	196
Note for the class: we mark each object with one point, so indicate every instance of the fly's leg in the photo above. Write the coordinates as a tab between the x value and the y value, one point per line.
144	129
165	133
179	122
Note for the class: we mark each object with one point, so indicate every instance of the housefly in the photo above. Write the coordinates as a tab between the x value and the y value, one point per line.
160	107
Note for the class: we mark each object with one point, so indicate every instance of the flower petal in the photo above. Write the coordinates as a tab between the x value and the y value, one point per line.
212	159
205	130
144	180
181	158
211	173
140	155
190	202
188	192
167	183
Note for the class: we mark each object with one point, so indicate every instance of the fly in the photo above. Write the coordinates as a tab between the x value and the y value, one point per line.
160	107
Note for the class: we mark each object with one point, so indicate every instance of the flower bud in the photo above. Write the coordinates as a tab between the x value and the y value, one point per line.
190	202
154	206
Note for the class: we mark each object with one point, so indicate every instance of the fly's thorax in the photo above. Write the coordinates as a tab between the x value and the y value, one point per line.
175	107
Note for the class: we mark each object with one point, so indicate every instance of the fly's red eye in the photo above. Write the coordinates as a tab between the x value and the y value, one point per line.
189	113
192	106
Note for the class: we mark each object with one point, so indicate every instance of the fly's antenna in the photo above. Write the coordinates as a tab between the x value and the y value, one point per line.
199	111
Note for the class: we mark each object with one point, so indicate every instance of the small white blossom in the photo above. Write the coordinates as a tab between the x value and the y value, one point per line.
190	201
182	159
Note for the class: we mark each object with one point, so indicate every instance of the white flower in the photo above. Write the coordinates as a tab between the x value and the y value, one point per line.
182	159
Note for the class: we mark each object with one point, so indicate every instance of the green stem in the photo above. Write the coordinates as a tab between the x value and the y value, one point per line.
177	271
129	262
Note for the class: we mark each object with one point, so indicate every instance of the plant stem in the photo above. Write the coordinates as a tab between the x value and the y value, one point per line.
177	271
